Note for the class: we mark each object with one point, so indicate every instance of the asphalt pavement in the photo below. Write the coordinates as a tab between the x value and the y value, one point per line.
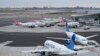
35	39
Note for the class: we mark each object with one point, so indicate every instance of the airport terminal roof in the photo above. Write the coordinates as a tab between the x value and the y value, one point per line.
80	15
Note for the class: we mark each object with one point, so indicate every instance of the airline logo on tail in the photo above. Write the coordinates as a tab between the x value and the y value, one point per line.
70	43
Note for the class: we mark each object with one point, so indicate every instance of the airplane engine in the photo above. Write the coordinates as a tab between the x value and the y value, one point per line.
43	53
46	53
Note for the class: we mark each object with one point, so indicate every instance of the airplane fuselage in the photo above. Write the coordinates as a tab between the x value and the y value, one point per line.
73	24
79	38
59	48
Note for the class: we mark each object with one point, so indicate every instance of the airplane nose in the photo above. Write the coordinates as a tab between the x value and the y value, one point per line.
85	42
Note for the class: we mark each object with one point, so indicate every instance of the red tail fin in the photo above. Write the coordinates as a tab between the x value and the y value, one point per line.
42	17
16	23
62	20
14	20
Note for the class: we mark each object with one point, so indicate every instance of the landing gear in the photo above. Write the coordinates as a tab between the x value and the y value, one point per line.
47	54
42	26
31	26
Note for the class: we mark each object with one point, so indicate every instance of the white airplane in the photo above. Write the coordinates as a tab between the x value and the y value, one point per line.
50	21
38	23
78	38
81	39
71	24
27	24
51	47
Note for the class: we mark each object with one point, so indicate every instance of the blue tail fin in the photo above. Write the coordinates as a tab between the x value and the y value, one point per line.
70	43
73	38
67	27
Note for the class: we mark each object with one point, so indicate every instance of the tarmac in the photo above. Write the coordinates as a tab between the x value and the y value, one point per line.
13	43
14	39
14	28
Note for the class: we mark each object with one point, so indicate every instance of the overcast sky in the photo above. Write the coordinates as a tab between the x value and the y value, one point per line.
49	3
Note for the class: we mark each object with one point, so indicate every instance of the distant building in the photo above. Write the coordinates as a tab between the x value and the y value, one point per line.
89	19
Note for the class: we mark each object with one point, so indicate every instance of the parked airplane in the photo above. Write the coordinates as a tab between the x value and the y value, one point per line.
50	21
71	24
80	39
27	24
51	47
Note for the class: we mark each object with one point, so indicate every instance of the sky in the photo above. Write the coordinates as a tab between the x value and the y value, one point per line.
49	3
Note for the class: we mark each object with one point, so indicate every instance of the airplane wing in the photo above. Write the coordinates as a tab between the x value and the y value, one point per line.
79	47
39	50
57	38
92	36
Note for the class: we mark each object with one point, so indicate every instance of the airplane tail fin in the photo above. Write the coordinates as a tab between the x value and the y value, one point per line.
67	27
70	43
62	20
16	23
42	17
33	20
14	20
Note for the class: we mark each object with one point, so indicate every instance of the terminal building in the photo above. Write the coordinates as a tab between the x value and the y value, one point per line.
88	19
87	16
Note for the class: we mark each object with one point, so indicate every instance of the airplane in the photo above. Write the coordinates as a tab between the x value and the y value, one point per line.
50	22
80	39
26	24
51	47
35	23
71	24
